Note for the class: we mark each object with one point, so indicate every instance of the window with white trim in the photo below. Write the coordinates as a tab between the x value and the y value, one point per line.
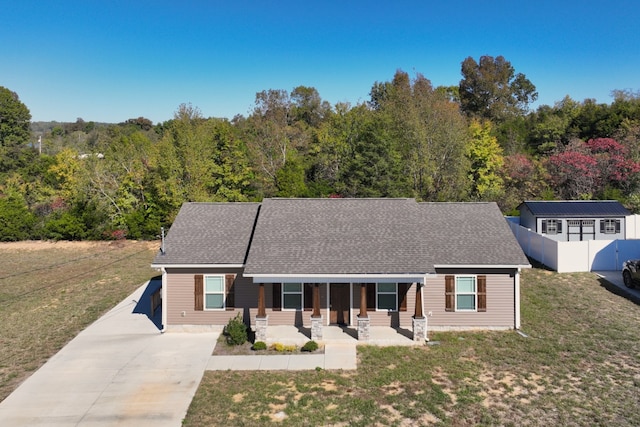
387	296
610	226
552	226
214	292
466	293
292	296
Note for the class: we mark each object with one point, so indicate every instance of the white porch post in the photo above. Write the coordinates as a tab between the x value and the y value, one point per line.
517	300
164	299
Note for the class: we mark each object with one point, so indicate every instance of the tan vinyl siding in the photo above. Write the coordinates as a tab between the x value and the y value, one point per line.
500	308
180	297
402	319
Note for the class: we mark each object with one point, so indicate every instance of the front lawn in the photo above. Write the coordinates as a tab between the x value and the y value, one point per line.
579	366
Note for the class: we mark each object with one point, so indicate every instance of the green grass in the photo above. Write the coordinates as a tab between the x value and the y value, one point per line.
50	292
580	366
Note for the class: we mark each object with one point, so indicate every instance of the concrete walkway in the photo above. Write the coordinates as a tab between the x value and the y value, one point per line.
336	356
120	371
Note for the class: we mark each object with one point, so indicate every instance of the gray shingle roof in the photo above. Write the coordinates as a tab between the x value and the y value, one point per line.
209	233
576	208
469	234
336	236
341	236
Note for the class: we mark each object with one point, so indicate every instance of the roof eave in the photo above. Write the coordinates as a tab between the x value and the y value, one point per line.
476	266
337	278
159	265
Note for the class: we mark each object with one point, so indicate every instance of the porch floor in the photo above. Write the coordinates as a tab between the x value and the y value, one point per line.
378	335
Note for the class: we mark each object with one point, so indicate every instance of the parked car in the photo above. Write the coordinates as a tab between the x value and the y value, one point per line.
631	272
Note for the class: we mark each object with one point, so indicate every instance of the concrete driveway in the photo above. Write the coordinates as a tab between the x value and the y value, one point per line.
120	371
616	285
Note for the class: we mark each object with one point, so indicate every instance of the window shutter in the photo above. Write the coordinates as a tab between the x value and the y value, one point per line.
402	296
229	280
617	225
544	226
602	226
277	297
559	225
308	296
371	297
482	293
450	293
198	292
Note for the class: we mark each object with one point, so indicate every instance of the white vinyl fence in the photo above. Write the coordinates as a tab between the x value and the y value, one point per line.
590	255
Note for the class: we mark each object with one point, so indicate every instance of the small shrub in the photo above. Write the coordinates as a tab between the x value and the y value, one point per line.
277	347
259	345
310	346
290	348
236	331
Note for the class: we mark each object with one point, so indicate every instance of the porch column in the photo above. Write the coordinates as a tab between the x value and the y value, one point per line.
418	309
419	322
262	319
364	322
316	317
261	310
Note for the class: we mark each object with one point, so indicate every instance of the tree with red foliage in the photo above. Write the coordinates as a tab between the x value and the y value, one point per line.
616	166
574	171
587	169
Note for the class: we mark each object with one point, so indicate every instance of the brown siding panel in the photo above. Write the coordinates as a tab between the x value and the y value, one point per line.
198	292
482	293
450	293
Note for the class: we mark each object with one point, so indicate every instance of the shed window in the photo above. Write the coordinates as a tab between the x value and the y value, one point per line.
609	226
552	226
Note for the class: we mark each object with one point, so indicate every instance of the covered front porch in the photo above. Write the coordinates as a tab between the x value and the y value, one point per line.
355	321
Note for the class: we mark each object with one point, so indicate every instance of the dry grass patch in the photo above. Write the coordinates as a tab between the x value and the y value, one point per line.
50	291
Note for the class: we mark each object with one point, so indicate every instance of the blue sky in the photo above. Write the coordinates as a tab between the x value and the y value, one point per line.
112	60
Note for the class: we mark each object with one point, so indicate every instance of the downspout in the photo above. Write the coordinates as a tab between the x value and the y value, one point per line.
164	300
517	300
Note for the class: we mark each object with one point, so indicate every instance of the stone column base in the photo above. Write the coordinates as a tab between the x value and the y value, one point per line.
316	328
364	325
419	328
261	328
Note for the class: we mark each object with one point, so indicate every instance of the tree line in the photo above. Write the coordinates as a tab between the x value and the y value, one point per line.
472	142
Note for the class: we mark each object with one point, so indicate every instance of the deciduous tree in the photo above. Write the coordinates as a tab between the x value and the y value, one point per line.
491	89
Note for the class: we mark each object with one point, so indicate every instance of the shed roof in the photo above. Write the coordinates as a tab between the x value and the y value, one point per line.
575	208
209	233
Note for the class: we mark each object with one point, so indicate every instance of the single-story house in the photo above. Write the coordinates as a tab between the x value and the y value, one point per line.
356	262
575	220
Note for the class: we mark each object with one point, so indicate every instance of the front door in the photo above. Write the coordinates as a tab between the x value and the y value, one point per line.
339	303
